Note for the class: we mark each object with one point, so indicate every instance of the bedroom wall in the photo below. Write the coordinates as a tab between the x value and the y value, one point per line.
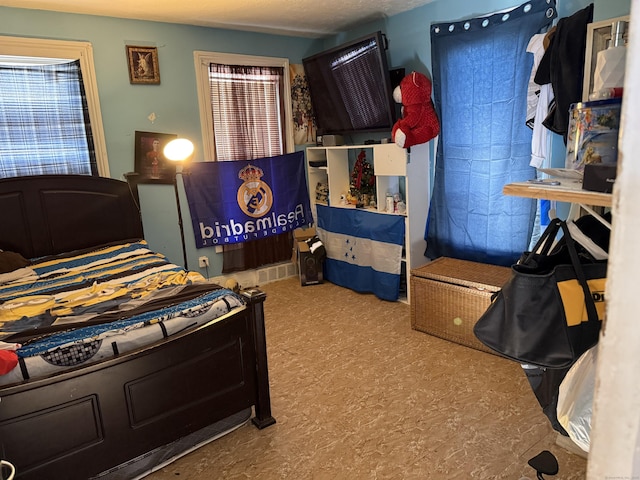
410	43
126	107
408	32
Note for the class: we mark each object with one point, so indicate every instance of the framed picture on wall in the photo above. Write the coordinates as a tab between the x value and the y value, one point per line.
143	65
150	162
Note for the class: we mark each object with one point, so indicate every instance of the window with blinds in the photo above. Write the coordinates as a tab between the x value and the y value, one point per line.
245	105
44	118
247	108
50	119
246	113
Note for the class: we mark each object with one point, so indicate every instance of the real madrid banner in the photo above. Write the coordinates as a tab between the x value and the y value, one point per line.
242	200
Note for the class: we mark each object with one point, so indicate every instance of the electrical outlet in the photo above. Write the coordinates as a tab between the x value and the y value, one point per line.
203	262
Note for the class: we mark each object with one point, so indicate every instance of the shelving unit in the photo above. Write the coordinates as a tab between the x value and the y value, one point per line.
396	170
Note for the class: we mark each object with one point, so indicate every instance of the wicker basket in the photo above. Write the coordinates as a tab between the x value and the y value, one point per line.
449	295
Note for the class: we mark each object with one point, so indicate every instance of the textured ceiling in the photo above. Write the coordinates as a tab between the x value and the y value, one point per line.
304	18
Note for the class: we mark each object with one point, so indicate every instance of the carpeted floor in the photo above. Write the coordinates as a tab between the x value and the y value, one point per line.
357	394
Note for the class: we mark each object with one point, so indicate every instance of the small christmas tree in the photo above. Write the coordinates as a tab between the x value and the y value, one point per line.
363	181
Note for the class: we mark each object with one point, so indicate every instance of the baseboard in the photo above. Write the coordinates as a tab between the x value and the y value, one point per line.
569	445
259	276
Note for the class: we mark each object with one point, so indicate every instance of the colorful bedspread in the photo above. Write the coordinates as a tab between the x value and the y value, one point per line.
80	308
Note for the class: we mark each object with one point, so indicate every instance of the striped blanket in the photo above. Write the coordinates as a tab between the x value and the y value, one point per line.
79	308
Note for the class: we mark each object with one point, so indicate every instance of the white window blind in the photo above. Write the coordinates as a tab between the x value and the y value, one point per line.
247	108
67	59
44	120
234	83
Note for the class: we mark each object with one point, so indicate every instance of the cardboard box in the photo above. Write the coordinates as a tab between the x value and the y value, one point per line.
309	268
448	296
300	235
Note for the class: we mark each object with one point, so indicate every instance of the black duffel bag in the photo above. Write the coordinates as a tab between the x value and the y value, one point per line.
551	310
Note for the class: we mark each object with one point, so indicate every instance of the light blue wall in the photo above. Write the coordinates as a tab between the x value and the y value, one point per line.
408	32
125	107
410	44
409	37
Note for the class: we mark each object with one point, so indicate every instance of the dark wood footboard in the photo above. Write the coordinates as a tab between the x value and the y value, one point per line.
82	422
263	416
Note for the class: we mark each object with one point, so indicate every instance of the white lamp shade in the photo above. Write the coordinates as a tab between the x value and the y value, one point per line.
178	150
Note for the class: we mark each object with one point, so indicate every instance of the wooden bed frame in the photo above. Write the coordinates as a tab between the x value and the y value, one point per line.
85	421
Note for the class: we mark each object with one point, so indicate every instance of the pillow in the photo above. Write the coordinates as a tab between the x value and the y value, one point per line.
10	261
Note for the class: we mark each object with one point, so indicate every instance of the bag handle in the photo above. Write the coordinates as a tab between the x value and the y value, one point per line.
592	313
546	240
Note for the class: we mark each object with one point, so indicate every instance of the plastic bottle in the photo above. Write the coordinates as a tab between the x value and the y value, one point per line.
389	203
610	63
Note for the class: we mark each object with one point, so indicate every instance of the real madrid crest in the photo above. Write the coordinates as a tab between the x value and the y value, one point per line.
254	196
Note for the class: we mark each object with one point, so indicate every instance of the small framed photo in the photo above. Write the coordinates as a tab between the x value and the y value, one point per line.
143	65
150	162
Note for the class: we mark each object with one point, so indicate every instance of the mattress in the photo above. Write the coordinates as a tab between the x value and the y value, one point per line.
75	309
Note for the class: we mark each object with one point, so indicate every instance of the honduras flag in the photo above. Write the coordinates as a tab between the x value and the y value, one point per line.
364	249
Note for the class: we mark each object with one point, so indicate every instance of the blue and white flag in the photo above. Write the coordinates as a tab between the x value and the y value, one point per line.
242	200
364	249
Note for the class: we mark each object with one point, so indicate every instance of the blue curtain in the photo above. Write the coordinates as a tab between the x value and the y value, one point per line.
480	75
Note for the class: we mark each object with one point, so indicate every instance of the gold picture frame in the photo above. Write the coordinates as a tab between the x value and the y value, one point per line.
143	65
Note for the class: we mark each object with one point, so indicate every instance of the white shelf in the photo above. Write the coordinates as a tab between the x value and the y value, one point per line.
569	191
395	170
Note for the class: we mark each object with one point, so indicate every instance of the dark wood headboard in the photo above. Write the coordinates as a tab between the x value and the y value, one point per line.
50	214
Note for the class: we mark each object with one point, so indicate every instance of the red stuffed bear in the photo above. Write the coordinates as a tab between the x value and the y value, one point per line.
8	361
419	122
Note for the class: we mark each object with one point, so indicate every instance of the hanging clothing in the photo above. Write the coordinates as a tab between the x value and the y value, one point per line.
563	66
536	48
538	107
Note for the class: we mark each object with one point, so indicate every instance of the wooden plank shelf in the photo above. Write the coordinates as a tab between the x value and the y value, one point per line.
569	191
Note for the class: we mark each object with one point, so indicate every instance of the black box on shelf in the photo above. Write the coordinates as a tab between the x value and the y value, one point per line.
332	140
599	177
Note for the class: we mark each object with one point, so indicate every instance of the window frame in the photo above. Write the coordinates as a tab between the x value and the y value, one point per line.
202	60
70	50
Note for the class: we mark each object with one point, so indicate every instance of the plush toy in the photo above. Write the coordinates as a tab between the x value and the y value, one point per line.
232	284
419	122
